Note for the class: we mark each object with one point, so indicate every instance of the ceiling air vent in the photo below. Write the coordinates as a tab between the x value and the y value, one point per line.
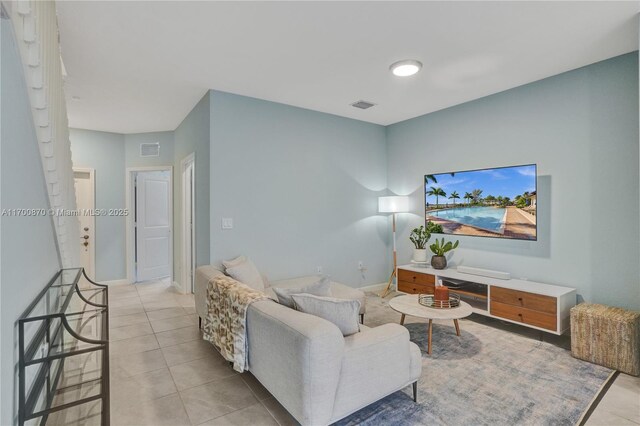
362	104
150	149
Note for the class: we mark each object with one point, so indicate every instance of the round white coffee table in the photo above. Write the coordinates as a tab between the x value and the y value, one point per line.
409	305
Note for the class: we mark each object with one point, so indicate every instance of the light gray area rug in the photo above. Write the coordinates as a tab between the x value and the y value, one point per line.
489	376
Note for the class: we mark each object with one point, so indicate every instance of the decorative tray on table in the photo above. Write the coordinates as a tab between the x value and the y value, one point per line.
429	301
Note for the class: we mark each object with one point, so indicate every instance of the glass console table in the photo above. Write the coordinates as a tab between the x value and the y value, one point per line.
63	343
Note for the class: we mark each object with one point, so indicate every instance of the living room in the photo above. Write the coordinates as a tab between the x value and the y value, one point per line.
247	107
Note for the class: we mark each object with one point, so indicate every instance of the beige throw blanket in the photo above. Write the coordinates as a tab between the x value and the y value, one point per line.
225	324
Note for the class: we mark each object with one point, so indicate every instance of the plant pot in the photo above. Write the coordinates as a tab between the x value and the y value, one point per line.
438	262
419	255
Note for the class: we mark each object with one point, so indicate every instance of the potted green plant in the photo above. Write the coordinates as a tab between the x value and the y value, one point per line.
439	249
419	237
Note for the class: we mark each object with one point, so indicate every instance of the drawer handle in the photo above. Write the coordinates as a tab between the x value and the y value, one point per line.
520	299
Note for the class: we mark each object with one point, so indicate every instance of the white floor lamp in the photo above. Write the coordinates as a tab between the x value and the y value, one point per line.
393	205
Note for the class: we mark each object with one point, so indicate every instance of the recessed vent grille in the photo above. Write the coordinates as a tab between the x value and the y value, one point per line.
363	104
150	149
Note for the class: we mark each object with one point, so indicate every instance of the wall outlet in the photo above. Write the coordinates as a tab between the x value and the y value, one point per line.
227	223
318	269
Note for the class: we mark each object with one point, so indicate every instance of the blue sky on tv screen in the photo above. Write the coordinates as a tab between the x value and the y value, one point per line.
505	181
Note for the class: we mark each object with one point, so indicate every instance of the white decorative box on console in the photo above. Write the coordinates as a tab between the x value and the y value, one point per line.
541	306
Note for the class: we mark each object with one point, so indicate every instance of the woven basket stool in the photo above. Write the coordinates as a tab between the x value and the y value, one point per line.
606	336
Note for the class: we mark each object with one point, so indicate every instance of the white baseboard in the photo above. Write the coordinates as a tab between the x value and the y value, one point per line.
115	282
374	287
178	287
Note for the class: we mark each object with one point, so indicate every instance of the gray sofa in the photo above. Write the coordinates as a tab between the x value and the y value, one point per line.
318	375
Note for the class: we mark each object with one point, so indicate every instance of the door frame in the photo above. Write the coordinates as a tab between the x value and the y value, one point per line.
187	283
92	182
129	225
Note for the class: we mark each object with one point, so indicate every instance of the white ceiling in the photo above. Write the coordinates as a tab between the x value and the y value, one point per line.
142	66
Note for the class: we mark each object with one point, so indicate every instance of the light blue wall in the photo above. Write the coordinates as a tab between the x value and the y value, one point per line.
581	128
192	136
110	154
132	149
29	255
301	187
105	152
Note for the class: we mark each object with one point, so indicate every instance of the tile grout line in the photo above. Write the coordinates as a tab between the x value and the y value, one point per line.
168	367
203	384
260	401
184	407
269	411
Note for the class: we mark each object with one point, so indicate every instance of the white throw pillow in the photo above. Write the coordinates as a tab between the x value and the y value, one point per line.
343	313
322	287
234	262
243	270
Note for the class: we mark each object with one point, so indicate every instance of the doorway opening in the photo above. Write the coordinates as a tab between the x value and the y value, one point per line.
149	230
188	223
84	180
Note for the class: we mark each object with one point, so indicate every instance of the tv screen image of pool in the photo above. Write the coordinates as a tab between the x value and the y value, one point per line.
499	202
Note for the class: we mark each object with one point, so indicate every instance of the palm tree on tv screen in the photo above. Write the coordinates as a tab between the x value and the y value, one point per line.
433	179
438	192
475	194
454	196
468	196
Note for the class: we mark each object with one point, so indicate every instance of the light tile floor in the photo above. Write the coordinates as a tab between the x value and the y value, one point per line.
163	373
620	405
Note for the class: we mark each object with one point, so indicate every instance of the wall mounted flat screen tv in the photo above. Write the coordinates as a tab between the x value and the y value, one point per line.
498	203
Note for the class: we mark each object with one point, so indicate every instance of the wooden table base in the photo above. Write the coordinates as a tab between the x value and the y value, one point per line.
409	305
430	331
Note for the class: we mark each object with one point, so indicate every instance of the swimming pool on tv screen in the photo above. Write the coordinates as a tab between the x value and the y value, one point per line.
489	218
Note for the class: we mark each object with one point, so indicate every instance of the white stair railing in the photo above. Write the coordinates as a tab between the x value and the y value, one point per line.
36	28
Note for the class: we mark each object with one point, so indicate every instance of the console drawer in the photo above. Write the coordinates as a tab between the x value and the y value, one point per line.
416	277
523	315
536	302
415	288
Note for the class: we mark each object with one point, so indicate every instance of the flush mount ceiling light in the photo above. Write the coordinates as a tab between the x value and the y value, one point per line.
405	68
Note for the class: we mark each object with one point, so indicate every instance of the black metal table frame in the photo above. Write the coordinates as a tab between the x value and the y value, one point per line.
28	398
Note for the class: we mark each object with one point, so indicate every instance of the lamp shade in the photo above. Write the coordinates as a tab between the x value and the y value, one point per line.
394	204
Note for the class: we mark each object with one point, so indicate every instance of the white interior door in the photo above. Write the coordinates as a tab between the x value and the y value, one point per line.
153	225
85	201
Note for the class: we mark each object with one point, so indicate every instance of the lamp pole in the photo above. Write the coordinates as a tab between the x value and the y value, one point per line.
393	204
395	259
